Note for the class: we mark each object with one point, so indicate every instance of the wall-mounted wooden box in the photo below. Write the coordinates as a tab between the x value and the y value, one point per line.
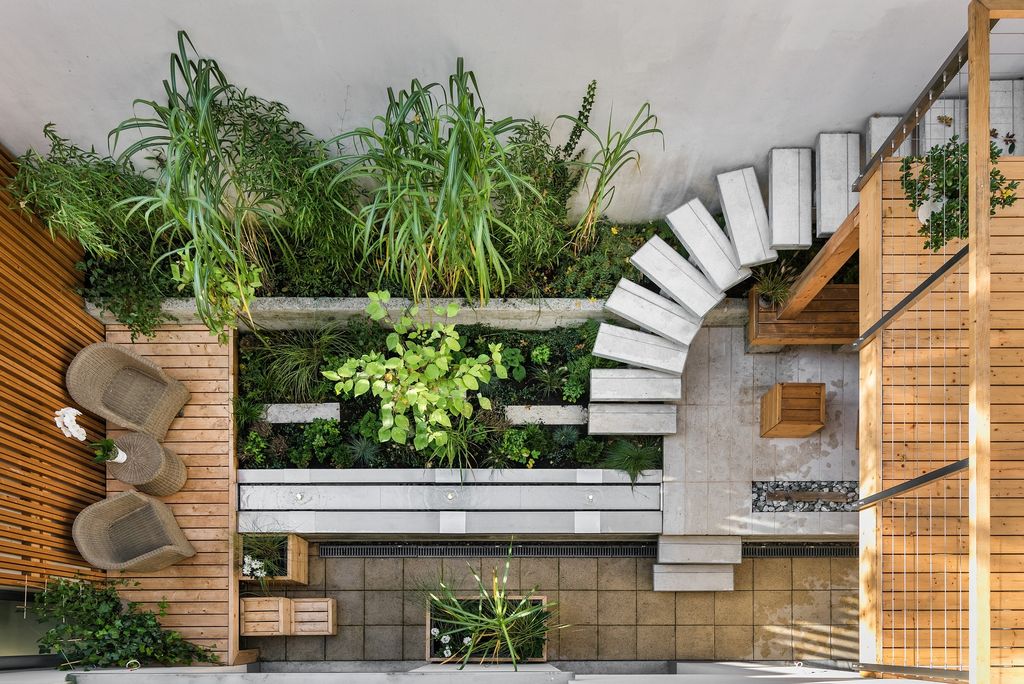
793	409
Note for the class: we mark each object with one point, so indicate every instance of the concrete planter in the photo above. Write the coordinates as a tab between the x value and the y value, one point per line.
450	502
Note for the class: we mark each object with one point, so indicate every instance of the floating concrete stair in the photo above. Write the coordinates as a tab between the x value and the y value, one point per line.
699	549
639	349
675	275
671	577
634	384
632	419
1006	110
790	198
650	310
935	128
694	226
746	219
838	166
878	129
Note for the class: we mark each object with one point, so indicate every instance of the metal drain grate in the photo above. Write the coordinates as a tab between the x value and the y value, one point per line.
490	550
800	550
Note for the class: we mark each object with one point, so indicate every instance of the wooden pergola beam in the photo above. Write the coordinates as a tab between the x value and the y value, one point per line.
826	263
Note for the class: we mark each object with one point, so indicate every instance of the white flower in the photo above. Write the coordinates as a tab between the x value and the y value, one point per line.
435	631
447	653
445	639
466	641
67	420
253	567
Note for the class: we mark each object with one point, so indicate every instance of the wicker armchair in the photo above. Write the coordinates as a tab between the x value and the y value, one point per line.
125	388
130	531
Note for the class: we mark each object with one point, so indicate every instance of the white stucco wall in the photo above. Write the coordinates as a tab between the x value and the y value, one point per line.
729	79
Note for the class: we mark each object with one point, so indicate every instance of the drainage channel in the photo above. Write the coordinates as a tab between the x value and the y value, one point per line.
568	550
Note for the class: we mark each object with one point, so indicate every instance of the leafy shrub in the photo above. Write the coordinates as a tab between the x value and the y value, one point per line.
322	443
426	377
588	451
254	451
541	354
93	627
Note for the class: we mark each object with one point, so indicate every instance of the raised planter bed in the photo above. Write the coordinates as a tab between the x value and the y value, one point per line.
296	560
435	647
451	502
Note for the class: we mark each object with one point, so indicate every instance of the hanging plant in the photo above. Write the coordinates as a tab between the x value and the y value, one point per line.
936	186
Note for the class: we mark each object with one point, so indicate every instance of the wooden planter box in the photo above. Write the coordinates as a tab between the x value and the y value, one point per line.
793	409
297	564
431	657
280	616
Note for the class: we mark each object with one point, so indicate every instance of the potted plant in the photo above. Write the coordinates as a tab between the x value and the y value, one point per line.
773	282
274	558
936	185
105	449
489	627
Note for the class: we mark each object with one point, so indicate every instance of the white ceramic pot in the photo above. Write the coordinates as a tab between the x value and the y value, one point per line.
120	458
925	211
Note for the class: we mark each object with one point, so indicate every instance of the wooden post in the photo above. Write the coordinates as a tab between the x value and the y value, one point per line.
870	437
979	368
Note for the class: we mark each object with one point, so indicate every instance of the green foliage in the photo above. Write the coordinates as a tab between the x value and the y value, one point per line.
489	626
363	452
292	361
541	354
104	449
246	412
550	380
940	180
524	445
594	273
92	627
513	360
565	436
322	443
588	452
426	377
435	165
458	451
368	426
253	453
631	457
774	281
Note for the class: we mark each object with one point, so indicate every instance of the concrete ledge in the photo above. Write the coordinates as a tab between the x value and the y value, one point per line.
482	476
295	313
540	414
301	413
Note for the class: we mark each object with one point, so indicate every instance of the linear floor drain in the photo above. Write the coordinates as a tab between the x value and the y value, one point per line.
800	550
489	550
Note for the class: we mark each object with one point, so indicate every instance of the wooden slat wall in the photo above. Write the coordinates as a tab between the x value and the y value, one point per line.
202	591
831	317
924	404
45	478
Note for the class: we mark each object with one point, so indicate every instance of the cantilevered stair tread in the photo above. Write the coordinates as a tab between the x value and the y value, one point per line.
694	226
746	219
631	419
670	577
634	384
651	311
683	281
639	349
790	198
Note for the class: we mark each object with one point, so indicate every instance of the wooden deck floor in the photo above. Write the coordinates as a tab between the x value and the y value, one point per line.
201	592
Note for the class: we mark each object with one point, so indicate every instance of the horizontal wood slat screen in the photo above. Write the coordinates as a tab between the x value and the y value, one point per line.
45	478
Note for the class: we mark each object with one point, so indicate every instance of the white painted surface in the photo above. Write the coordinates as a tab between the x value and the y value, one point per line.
652	312
693	225
805	67
677	276
836	168
790	196
746	219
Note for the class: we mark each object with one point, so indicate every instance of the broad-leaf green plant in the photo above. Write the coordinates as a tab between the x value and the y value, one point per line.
424	381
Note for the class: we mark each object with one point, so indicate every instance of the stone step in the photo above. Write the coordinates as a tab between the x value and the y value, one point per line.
836	169
639	349
878	129
1006	109
634	384
650	310
632	419
694	226
675	275
672	577
746	219
699	549
790	198
934	129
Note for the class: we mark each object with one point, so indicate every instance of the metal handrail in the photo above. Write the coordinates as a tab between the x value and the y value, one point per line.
915	483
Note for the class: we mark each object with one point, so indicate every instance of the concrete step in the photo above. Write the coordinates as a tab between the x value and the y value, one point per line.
1006	109
634	384
878	129
675	275
932	131
651	311
790	198
672	577
639	349
746	219
632	419
699	549
836	169
694	226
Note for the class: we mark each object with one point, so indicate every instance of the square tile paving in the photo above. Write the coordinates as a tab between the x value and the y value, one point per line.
781	609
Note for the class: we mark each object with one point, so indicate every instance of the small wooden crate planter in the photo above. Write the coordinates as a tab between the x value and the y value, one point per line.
297	564
431	657
279	616
793	409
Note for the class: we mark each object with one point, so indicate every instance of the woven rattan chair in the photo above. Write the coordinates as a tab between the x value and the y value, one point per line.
153	469
125	388
130	531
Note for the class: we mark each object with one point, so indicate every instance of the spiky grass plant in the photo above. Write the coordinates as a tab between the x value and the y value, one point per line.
291	360
490	626
633	458
773	282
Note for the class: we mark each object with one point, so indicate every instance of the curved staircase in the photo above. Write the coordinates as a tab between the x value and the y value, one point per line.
642	397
